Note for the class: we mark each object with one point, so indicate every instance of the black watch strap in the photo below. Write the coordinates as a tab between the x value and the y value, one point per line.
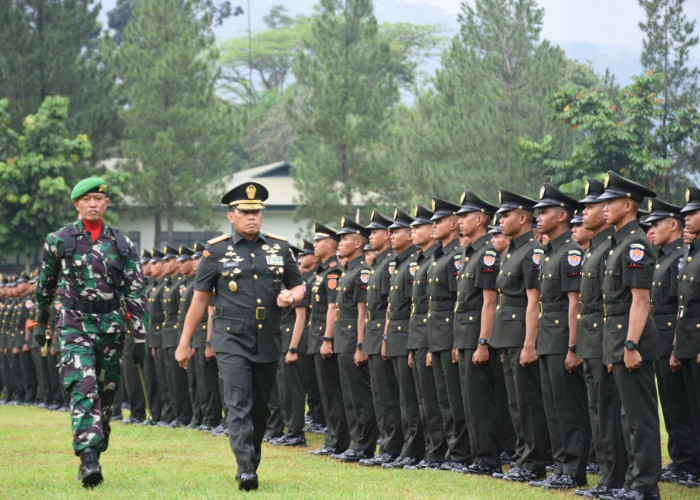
483	341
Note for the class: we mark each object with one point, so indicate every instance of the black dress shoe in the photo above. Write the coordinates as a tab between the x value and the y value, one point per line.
482	468
454	466
624	494
521	475
690	481
592	468
423	464
564	482
594	492
89	472
544	482
248	481
378	460
294	441
672	475
326	450
352	455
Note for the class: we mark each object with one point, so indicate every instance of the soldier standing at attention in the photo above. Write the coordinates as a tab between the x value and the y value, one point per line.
397	327
248	270
176	377
563	386
603	400
515	332
417	344
630	334
101	270
474	314
351	307
320	341
683	445
385	388
442	295
686	349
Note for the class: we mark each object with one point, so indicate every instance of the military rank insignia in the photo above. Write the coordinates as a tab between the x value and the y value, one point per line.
332	281
458	262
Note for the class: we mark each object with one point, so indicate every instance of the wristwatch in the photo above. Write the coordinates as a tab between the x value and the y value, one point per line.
293	350
360	346
385	338
327	339
483	341
572	348
207	343
631	345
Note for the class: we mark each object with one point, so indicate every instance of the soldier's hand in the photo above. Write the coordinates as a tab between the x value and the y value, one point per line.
527	356
429	360
481	355
571	362
383	351
633	360
697	359
40	333
409	361
360	357
290	358
183	354
25	347
674	363
209	353
326	349
285	298
138	352
455	355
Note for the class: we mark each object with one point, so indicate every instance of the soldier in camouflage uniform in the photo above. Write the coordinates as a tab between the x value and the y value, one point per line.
99	268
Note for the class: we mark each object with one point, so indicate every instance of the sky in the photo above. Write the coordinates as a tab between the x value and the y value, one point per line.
604	32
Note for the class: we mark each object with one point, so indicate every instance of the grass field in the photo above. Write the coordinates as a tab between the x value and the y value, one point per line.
36	461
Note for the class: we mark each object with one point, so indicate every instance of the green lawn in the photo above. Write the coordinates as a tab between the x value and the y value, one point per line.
36	461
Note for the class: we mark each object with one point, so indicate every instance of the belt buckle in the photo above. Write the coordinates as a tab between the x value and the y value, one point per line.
259	313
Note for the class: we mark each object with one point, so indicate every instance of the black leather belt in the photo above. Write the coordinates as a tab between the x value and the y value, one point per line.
504	300
232	312
548	307
590	307
399	315
615	309
91	307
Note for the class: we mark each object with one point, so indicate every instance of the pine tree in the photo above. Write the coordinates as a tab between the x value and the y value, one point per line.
176	128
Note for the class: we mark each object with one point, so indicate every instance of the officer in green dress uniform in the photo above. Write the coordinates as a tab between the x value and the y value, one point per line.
683	444
176	377
395	345
515	333
385	388
417	344
473	318
686	350
442	293
320	342
563	385
254	276
604	408
630	334
350	324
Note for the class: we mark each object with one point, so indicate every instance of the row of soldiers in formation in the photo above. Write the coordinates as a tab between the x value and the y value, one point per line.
450	345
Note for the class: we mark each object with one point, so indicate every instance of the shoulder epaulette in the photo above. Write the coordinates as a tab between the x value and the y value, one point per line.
270	235
218	239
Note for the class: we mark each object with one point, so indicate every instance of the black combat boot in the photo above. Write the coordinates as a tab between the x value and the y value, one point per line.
89	472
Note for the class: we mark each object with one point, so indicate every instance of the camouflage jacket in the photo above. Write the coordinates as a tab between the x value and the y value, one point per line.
100	274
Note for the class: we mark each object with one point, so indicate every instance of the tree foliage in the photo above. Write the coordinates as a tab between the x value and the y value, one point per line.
668	38
488	92
51	47
176	128
38	167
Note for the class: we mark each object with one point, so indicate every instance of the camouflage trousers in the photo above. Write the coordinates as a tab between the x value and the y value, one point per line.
90	373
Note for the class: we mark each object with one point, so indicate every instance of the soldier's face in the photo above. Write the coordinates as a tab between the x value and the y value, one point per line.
325	248
615	210
92	206
593	217
692	223
349	244
186	267
548	219
379	239
442	228
581	235
195	264
661	231
400	239
170	266
422	235
500	241
510	222
246	222
468	223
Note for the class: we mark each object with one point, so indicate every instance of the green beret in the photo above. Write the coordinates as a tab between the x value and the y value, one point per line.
89	185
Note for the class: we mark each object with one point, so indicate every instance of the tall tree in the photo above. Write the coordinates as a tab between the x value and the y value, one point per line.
348	86
50	47
489	90
176	129
37	168
668	38
612	134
